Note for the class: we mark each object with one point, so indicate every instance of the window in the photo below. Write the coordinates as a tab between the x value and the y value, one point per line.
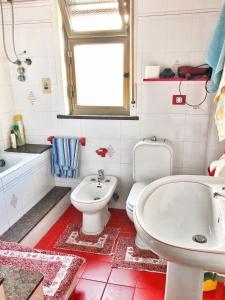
98	54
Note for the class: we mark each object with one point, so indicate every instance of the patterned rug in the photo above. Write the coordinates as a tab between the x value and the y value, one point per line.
58	270
129	256
73	239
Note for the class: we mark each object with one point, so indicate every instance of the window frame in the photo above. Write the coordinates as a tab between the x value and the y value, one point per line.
78	38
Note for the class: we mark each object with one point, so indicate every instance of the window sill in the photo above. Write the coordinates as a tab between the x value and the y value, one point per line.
98	117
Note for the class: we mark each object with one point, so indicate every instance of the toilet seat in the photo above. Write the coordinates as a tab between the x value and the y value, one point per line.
133	196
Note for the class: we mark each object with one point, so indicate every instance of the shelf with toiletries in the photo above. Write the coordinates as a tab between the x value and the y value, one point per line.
174	79
30	148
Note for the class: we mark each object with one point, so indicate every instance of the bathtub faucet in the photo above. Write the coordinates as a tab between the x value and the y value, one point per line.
2	162
101	175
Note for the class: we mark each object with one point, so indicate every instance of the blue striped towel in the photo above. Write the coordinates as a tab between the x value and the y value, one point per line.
65	157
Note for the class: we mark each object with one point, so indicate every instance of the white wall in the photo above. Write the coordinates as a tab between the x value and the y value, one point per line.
166	31
6	100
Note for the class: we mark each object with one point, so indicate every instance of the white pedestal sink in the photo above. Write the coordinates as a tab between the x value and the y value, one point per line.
182	219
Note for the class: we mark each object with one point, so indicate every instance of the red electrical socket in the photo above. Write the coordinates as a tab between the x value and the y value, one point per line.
179	99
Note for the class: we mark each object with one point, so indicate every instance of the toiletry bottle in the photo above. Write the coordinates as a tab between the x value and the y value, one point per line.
18	136
13	139
19	123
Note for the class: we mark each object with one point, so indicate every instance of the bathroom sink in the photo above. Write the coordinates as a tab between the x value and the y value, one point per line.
182	219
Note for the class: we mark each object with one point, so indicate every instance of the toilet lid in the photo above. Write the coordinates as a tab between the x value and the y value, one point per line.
152	159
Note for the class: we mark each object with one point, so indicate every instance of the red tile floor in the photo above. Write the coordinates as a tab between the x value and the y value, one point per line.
98	280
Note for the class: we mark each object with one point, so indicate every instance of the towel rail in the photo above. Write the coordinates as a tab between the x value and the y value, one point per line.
82	140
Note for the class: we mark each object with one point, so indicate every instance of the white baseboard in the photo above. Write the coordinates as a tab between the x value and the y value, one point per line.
36	234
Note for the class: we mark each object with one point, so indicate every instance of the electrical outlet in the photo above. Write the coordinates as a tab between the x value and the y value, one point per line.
179	99
46	86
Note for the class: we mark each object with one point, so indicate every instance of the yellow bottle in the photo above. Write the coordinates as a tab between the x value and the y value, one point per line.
19	123
210	282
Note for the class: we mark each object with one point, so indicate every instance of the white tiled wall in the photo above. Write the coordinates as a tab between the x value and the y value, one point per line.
167	31
6	101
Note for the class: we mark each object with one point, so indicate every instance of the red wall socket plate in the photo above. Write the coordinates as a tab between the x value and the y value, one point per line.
179	99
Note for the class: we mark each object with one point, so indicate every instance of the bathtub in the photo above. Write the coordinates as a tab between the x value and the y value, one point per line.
14	161
24	181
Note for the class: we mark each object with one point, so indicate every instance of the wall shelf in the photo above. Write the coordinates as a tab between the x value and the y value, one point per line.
174	79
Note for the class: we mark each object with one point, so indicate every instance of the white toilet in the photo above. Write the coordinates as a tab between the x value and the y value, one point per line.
91	197
152	159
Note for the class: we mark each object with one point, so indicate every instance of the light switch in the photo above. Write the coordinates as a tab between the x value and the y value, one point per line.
46	86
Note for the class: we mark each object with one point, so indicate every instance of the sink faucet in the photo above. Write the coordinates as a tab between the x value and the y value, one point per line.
218	194
101	175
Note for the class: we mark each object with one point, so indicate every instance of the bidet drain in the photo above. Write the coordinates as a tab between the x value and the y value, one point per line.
199	238
97	198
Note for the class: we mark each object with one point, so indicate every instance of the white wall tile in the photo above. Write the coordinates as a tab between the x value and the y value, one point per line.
7	122
39	123
170	58
150	6
130	129
88	168
189	171
196	93
206	4
178	148
4	73
101	129
176	5
68	127
29	13
37	139
154	34
200	39
194	155
6	100
31	98
127	150
169	126
41	46
196	128
178	32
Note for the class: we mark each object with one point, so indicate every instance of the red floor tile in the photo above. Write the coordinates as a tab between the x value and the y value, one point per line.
148	294
97	270
88	290
148	280
81	270
123	277
118	292
101	258
119	219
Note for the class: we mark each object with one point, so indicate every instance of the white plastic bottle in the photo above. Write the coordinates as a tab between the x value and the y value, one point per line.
13	139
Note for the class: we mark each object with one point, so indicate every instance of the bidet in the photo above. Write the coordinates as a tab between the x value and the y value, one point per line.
91	197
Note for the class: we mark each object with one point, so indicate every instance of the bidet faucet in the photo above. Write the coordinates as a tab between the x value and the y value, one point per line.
101	175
